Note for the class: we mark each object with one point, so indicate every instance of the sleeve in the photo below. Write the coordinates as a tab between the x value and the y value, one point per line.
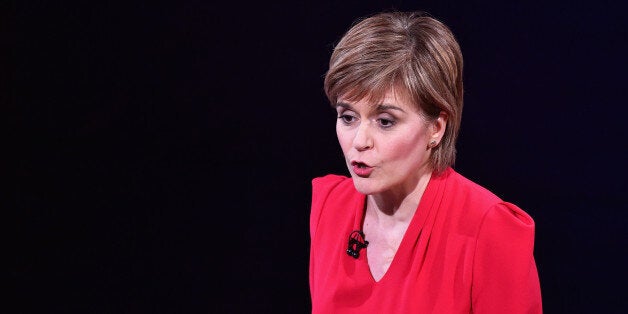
505	277
316	206
321	188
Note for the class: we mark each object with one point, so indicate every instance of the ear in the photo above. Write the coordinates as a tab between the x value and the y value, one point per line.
437	128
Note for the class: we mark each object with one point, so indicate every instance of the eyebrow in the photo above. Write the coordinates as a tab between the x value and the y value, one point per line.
380	107
344	105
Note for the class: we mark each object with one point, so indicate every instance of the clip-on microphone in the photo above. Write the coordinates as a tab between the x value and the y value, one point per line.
356	243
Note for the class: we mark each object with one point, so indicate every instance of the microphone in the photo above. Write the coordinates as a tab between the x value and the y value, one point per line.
356	243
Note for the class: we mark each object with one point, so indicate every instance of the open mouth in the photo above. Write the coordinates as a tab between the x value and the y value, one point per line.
361	169
360	165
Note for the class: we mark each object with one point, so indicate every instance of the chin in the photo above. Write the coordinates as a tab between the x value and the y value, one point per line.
364	187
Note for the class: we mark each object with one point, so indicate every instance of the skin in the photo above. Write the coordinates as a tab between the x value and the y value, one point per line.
391	139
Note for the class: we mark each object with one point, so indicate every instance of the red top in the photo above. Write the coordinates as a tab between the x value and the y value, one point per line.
465	251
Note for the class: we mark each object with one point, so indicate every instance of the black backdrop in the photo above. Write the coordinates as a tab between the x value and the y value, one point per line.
160	154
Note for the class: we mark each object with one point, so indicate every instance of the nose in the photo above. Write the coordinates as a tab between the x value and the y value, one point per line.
363	139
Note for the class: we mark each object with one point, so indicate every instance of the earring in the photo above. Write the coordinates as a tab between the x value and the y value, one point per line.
432	144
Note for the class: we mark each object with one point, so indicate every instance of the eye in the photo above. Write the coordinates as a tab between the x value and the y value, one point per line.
386	123
346	118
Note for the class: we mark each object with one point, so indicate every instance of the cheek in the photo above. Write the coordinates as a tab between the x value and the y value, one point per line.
405	147
344	139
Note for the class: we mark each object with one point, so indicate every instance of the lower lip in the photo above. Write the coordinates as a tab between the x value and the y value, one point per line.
362	172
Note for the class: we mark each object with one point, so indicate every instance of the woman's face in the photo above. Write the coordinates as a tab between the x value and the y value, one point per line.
385	145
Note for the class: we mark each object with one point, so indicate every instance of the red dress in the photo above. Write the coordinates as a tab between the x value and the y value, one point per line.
465	251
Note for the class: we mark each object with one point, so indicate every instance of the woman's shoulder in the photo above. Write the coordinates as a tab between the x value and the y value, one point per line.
334	187
331	191
483	204
470	190
330	181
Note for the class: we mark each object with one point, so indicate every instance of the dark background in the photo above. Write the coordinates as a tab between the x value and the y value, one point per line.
159	155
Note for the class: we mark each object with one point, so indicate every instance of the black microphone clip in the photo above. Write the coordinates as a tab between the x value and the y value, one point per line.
356	243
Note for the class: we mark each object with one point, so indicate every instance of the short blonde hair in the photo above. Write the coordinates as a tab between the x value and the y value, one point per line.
411	52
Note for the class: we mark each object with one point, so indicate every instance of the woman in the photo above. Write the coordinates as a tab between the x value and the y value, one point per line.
406	233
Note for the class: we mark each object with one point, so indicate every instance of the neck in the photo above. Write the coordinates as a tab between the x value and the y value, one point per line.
397	205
